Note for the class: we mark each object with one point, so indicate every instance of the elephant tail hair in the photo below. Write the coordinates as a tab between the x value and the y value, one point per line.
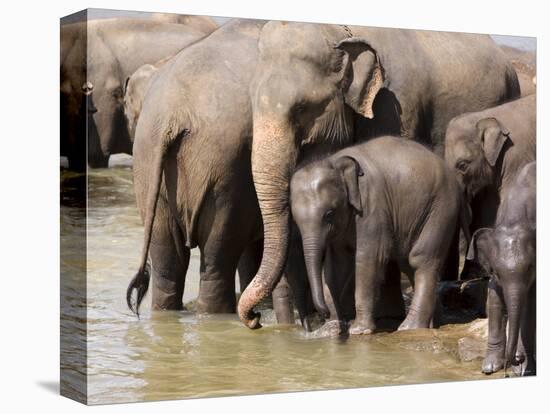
140	282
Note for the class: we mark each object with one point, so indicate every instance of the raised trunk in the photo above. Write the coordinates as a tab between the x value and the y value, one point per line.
274	155
514	299
313	255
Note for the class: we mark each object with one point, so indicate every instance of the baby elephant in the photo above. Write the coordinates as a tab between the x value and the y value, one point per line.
135	89
508	254
394	203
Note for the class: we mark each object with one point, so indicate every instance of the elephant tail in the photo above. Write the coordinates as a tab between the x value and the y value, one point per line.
140	282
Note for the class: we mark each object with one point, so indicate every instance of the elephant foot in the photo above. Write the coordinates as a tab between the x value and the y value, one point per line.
330	329
493	362
525	368
412	323
311	322
361	328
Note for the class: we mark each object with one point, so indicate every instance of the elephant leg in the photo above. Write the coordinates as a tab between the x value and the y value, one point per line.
296	275
496	341
168	264
390	303
217	279
339	283
223	238
331	286
282	302
422	309
368	274
344	271
527	340
452	261
249	263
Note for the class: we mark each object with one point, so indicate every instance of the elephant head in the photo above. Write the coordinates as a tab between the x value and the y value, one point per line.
324	197
473	152
107	132
310	82
134	93
73	91
508	255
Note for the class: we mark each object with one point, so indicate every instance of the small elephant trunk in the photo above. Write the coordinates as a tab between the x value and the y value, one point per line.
313	254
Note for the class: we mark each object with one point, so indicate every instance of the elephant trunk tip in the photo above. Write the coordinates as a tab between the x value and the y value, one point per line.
249	298
253	321
250	318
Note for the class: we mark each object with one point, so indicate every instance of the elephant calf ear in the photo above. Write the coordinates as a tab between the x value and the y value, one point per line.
363	75
351	171
493	136
479	249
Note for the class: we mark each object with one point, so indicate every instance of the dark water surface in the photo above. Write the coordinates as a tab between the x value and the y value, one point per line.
170	355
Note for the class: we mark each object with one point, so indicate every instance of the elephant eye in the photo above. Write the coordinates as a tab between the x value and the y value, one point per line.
328	216
299	108
462	165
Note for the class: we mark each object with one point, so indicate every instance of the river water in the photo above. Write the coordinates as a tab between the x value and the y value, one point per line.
171	355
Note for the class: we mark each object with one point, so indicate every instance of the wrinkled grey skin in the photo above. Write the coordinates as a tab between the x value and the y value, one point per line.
134	93
508	254
324	83
115	48
392	200
487	149
192	174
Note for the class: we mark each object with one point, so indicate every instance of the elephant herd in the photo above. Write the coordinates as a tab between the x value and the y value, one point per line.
321	162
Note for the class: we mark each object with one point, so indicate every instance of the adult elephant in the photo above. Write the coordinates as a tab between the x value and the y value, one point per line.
113	50
326	83
487	150
192	174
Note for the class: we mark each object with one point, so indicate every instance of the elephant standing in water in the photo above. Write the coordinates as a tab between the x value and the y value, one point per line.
192	174
487	150
508	254
96	58
390	200
319	84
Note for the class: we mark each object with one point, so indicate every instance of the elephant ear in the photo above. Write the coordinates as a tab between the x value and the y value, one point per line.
351	171
493	136
363	76
480	248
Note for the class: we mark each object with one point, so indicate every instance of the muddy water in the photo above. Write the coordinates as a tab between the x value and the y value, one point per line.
170	355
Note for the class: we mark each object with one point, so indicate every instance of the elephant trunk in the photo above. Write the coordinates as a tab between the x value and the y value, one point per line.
274	156
313	255
514	298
